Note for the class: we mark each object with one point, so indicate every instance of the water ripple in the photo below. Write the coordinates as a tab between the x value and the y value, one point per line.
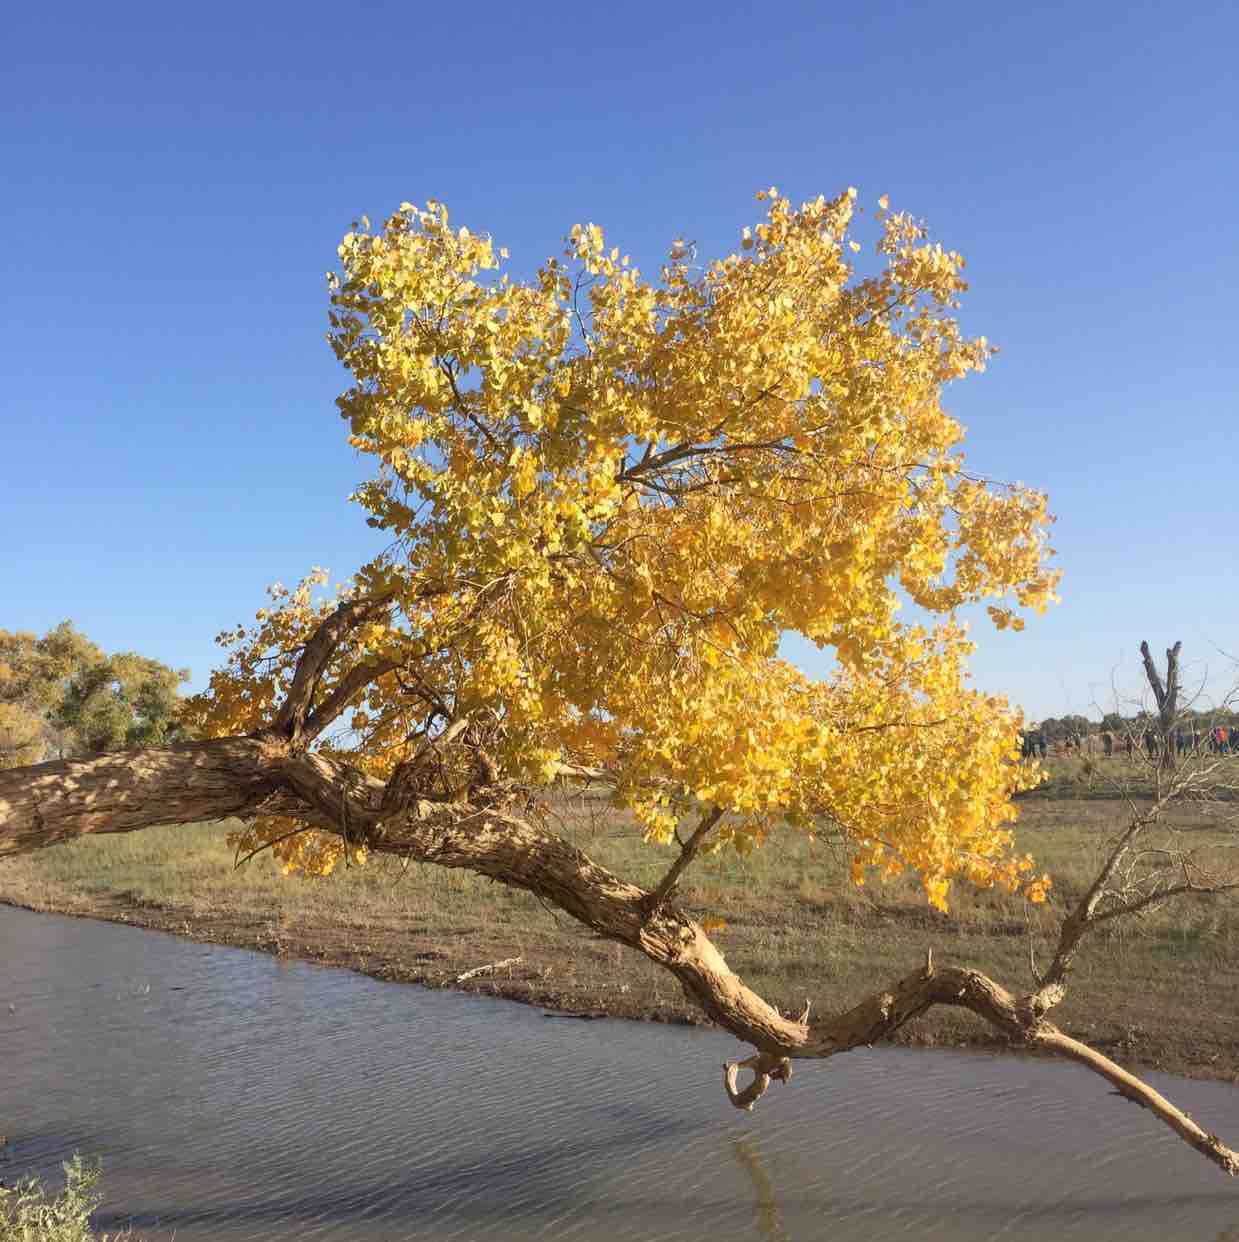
233	1096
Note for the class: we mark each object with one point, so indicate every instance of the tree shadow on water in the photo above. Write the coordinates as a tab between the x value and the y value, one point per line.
552	1181
851	1213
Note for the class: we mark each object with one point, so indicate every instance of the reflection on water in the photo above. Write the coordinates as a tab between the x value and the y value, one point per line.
234	1096
765	1201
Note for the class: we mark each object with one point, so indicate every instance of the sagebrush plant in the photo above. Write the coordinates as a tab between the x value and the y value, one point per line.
29	1214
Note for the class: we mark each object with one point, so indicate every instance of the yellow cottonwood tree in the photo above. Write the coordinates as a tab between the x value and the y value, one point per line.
608	498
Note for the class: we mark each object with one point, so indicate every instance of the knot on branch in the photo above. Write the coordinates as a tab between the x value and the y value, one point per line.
1220	1154
506	795
1043	1000
766	1067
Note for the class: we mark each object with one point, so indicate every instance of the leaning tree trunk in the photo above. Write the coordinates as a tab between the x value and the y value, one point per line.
54	802
122	792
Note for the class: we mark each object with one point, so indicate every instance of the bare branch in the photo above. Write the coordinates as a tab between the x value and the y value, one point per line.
486	970
1130	883
1139	1092
1082	917
766	1068
1148	900
688	851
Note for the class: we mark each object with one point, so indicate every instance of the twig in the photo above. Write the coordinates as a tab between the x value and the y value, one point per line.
239	862
485	970
687	853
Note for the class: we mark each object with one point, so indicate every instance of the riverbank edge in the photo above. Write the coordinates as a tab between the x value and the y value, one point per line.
556	1002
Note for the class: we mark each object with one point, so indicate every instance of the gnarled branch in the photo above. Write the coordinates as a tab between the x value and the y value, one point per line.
119	793
766	1068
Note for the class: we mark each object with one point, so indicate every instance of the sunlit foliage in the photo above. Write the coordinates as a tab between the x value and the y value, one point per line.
61	695
610	497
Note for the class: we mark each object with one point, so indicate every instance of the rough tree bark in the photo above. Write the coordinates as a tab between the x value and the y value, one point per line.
274	773
1167	697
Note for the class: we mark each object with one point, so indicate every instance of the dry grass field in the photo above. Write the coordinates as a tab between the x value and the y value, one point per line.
1162	990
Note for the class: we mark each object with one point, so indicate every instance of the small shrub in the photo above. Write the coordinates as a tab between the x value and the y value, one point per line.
28	1215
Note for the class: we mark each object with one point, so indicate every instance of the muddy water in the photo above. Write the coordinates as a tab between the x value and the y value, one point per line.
233	1096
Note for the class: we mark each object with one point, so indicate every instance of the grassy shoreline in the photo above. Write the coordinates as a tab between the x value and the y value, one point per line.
1161	992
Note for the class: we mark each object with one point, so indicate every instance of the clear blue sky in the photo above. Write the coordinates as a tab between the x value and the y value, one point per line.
176	179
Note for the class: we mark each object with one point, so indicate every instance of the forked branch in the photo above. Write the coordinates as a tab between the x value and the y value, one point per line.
290	720
349	686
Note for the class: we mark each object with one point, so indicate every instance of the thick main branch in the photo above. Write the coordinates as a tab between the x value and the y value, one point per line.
126	791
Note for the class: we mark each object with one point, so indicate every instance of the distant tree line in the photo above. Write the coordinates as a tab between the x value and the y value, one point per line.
1212	729
1061	728
62	697
1065	728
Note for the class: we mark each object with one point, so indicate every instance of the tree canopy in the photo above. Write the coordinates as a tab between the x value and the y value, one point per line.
609	498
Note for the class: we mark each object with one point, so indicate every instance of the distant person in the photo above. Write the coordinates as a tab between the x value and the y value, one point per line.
1107	743
1129	744
1150	743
